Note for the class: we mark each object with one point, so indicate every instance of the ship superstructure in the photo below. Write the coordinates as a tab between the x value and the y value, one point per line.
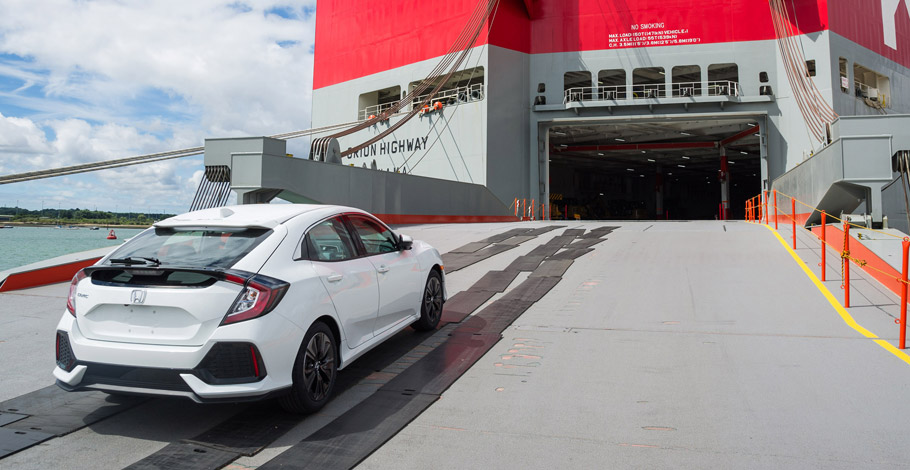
609	109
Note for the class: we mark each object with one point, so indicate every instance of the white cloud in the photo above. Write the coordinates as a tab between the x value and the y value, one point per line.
110	79
219	59
21	136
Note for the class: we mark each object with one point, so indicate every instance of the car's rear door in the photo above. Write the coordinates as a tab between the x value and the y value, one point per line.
350	280
398	271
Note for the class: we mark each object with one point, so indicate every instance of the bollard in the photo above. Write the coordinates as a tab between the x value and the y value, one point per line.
824	246
903	334
775	209
846	264
793	217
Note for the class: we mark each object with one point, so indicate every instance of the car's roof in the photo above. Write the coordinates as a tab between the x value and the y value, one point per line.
249	215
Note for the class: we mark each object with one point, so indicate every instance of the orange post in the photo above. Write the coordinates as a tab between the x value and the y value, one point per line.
793	217
767	219
533	210
846	264
824	246
775	209
903	335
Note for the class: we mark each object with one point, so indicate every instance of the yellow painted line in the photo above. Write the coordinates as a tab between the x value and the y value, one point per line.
848	319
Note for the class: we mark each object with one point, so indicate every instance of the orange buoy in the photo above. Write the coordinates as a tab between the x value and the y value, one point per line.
372	116
111	236
437	106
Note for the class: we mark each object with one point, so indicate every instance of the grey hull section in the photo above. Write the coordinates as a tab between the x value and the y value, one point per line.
260	172
852	174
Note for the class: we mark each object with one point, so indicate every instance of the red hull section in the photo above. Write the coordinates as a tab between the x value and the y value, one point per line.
44	276
865	23
356	38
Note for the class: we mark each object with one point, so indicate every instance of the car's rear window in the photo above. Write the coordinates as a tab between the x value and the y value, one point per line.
208	247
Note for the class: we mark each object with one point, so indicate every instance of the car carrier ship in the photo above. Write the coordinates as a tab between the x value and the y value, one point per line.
635	109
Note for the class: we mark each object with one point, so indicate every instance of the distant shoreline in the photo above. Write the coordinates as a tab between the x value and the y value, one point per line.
101	226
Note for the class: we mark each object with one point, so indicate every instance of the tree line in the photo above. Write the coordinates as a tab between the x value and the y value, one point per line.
77	216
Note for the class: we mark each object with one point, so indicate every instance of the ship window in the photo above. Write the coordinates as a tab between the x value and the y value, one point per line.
463	86
577	86
375	102
810	67
649	82
686	80
541	87
723	79
612	84
844	77
871	86
763	77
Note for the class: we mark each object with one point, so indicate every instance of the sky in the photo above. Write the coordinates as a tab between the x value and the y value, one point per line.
91	80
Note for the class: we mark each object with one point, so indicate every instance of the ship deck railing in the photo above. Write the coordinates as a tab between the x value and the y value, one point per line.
452	96
653	90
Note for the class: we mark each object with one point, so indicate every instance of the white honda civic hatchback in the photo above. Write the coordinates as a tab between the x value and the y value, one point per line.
245	302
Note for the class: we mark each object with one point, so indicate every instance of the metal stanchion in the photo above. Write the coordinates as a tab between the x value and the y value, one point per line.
775	209
846	264
793	218
824	246
903	334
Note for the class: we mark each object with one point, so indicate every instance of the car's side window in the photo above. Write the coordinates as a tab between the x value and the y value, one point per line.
329	241
374	236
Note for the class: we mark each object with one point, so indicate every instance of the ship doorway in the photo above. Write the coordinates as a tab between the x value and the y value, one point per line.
653	171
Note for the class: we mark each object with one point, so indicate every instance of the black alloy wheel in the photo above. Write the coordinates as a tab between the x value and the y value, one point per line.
315	371
319	366
431	305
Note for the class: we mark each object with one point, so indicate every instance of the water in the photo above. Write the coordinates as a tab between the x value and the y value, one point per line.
24	245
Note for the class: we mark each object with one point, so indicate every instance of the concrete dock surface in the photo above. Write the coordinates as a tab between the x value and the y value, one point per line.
671	345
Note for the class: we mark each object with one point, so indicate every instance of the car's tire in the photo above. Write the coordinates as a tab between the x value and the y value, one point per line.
430	304
314	372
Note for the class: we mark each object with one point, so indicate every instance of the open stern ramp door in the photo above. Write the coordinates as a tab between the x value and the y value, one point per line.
695	167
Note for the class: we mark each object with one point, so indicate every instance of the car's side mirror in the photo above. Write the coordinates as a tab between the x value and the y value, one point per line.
405	242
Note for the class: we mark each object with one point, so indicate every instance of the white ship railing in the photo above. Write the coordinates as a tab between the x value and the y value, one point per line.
450	97
652	90
724	88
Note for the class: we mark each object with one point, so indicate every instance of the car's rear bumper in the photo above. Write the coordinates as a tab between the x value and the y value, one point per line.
167	370
225	397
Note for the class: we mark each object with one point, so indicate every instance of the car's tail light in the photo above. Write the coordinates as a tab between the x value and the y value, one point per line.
259	296
71	299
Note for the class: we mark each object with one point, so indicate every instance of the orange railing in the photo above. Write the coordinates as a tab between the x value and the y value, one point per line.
764	209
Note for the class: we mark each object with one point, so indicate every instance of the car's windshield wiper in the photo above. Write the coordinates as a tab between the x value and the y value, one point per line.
137	260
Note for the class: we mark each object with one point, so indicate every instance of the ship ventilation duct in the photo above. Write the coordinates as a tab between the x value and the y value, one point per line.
214	190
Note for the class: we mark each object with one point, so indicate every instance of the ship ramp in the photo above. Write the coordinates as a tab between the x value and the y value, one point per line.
707	344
